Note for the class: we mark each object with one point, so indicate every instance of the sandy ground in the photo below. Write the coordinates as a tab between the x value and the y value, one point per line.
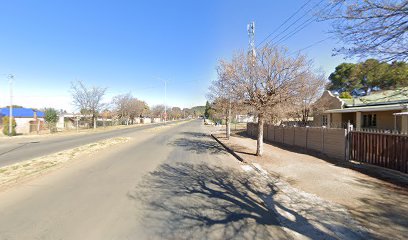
17	173
379	206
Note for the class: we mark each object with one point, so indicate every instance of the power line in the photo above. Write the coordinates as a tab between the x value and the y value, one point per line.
299	27
288	19
296	30
309	46
292	24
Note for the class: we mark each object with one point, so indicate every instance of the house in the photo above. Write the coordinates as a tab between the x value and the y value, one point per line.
68	120
27	119
244	118
380	110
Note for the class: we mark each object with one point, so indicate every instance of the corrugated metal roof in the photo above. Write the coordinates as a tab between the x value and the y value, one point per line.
399	95
389	107
21	112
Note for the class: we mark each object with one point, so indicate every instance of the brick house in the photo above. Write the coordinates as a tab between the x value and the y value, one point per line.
382	110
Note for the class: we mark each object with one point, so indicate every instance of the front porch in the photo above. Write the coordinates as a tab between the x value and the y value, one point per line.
386	117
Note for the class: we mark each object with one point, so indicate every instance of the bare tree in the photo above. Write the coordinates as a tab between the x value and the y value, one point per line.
309	93
138	108
175	113
127	107
224	100
370	27
157	111
268	81
88	100
122	106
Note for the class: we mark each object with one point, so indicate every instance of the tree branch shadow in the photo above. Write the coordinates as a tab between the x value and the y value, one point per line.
200	201
198	143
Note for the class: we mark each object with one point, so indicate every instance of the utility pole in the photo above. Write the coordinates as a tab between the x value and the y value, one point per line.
165	101
11	77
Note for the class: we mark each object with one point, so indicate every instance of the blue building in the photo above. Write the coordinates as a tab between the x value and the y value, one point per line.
27	119
22	113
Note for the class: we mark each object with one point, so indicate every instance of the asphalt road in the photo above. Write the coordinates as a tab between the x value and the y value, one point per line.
19	149
169	183
111	195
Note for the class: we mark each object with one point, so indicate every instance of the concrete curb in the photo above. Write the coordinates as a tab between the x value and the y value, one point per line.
228	149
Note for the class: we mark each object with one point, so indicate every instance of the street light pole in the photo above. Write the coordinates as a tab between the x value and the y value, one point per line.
11	77
165	101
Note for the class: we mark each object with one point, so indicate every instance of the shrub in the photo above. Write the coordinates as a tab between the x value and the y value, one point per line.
6	121
51	117
345	95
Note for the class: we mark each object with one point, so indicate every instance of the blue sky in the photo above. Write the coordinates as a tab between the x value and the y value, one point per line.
131	46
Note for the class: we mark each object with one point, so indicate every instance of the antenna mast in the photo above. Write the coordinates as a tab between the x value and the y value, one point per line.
251	34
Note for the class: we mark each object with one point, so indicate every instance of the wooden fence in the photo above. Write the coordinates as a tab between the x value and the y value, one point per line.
381	149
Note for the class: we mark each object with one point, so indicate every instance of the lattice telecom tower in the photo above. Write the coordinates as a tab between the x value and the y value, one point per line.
251	34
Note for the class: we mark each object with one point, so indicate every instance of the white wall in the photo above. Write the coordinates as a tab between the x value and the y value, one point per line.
23	125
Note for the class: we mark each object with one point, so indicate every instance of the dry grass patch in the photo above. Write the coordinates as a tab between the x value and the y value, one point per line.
19	172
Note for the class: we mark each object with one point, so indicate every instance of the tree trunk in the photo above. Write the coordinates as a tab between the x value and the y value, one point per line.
259	141
228	124
94	122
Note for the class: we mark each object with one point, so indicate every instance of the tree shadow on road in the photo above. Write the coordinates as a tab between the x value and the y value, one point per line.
201	201
198	143
196	134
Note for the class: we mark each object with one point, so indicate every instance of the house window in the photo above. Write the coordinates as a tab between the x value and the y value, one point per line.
369	120
324	120
374	122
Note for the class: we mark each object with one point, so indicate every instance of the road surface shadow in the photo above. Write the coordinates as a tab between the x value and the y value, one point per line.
201	201
18	147
198	143
195	134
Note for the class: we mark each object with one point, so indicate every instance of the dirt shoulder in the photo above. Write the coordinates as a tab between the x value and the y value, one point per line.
378	205
23	171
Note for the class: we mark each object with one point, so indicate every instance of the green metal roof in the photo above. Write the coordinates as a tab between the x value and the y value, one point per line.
379	98
374	108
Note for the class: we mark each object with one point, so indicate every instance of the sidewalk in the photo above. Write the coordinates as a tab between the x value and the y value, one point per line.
376	204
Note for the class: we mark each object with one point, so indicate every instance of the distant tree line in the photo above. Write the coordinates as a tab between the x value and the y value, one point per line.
369	74
124	108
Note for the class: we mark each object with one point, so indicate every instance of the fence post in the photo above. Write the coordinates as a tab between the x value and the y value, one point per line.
274	133
347	147
307	136
322	135
283	134
38	126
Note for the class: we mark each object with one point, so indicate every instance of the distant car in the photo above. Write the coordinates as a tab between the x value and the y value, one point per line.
376	88
358	92
335	93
